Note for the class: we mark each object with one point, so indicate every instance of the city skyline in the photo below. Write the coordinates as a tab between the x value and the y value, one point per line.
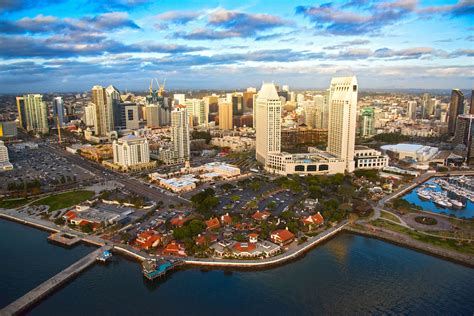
70	45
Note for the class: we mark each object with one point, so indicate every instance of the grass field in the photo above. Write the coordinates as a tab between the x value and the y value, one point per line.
13	203
389	216
63	200
462	247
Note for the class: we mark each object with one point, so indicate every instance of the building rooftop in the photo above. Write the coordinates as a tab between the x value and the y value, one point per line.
268	91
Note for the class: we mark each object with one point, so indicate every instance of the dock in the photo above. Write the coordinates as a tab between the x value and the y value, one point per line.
45	288
64	239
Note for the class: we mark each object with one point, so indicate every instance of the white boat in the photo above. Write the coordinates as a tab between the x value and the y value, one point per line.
457	204
423	195
442	203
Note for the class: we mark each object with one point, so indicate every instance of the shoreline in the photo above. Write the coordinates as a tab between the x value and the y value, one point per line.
279	260
458	258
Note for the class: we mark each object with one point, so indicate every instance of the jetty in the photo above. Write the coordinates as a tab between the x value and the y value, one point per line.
64	239
45	288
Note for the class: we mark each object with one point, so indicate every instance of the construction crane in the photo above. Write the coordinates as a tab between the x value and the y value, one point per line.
161	88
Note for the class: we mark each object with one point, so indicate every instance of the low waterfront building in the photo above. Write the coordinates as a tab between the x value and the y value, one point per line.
418	153
282	237
313	220
148	239
174	249
368	158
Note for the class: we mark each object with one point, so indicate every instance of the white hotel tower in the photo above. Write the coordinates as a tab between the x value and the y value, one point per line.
340	153
342	119
268	121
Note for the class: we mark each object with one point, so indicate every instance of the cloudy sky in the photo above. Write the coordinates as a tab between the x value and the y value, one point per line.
70	45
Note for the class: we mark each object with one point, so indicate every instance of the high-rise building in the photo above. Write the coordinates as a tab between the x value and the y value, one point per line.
113	109
103	116
424	105
179	98
197	111
312	114
367	117
342	119
8	129
129	116
58	110
4	159
152	115
411	113
36	112
237	104
268	119
90	118
180	133
130	151
471	109
456	107
464	135
225	116
247	98
20	105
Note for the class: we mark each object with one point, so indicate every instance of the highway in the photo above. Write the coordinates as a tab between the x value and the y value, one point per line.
131	184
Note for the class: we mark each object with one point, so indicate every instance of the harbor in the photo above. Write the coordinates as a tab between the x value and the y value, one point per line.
452	196
156	268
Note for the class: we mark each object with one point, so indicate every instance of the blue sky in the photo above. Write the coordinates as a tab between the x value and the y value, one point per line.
71	45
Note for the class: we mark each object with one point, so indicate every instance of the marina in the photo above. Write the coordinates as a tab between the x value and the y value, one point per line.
453	196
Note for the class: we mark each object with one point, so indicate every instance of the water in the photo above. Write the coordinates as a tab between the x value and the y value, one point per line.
348	275
412	197
27	259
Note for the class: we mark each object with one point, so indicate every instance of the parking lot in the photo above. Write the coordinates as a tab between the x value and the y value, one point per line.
43	165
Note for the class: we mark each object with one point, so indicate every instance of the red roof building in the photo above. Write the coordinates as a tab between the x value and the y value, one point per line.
174	249
244	247
316	219
147	240
226	219
282	237
179	221
259	216
213	223
206	239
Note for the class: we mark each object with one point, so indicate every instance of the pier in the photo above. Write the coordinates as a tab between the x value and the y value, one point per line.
45	288
64	239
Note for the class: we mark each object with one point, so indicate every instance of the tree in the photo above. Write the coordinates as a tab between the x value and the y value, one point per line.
87	228
235	198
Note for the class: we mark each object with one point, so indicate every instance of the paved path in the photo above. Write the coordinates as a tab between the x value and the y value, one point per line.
30	298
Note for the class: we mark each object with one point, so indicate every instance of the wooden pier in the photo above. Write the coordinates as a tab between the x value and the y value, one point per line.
45	288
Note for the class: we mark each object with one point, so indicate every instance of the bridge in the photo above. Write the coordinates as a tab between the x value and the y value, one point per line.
45	288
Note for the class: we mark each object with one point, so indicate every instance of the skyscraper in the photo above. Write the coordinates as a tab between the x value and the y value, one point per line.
90	115
237	104
464	135
342	119
20	105
103	119
367	117
198	112
36	112
424	105
412	110
268	119
456	107
180	133
113	109
58	110
225	116
152	115
471	109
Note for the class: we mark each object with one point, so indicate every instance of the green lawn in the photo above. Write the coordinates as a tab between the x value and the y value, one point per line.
389	216
463	247
63	200
13	203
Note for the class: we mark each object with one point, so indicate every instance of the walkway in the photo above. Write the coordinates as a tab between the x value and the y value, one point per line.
50	285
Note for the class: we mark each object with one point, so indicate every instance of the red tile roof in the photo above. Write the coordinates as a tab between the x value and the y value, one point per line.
316	219
226	219
244	247
282	235
261	215
179	220
213	223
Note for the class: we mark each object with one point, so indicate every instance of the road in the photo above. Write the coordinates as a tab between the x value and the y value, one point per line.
128	182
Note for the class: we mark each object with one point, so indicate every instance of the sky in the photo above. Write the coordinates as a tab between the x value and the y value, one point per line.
71	45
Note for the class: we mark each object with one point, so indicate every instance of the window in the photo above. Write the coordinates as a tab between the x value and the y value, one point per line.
299	168
323	167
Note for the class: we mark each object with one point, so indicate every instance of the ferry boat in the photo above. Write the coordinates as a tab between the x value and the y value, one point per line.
104	256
